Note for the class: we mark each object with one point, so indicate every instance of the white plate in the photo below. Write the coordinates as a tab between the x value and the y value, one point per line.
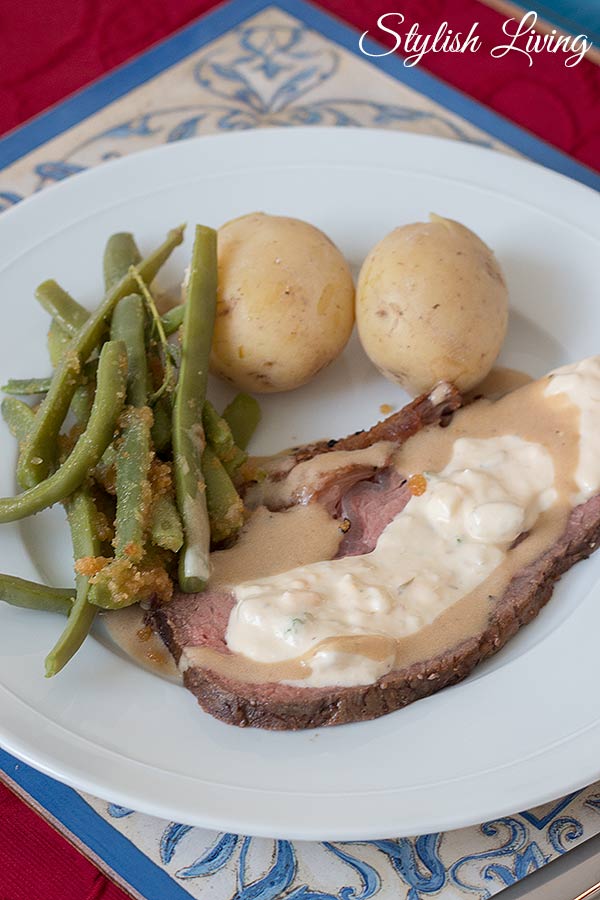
526	726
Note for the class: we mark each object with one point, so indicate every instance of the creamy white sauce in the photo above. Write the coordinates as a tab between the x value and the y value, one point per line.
581	383
443	545
349	668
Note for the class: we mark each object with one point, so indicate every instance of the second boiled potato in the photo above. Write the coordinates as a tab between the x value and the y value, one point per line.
432	305
285	306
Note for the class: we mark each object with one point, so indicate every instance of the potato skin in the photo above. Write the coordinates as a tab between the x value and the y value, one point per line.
285	304
432	305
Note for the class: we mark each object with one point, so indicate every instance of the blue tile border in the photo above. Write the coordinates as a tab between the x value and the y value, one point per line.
123	857
213	24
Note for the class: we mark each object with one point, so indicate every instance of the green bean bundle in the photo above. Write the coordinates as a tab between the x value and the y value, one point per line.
188	434
38	454
147	473
108	403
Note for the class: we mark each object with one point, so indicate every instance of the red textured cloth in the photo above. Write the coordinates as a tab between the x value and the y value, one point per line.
37	862
48	50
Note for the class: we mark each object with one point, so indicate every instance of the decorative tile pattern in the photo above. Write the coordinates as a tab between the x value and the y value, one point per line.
469	863
269	71
272	70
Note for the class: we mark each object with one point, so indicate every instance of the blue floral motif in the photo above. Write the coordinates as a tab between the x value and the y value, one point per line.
410	857
275	881
140	126
564	831
118	812
524	863
523	857
417	863
213	860
289	68
369	877
170	838
8	199
593	801
185	129
56	171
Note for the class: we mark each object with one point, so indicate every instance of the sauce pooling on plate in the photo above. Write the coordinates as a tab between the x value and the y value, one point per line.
127	628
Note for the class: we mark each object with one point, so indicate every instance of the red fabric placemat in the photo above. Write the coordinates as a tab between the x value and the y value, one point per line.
50	50
38	862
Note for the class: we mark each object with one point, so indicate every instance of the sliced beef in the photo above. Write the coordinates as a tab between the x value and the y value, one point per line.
438	406
369	501
368	507
201	620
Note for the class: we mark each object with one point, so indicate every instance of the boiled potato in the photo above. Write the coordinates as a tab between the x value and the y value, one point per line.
285	305
432	305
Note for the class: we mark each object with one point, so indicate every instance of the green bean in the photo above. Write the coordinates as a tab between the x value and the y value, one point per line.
83	400
58	342
121	252
104	471
112	375
72	319
188	435
242	415
173	319
29	387
128	324
82	519
18	416
81	512
39	452
161	427
156	323
31	595
225	508
66	311
219	437
26	387
165	525
133	490
135	452
81	404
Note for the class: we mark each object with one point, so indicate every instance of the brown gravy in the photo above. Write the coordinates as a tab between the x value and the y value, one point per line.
499	382
128	630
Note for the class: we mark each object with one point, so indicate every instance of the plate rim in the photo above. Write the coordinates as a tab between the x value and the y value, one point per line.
16	220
